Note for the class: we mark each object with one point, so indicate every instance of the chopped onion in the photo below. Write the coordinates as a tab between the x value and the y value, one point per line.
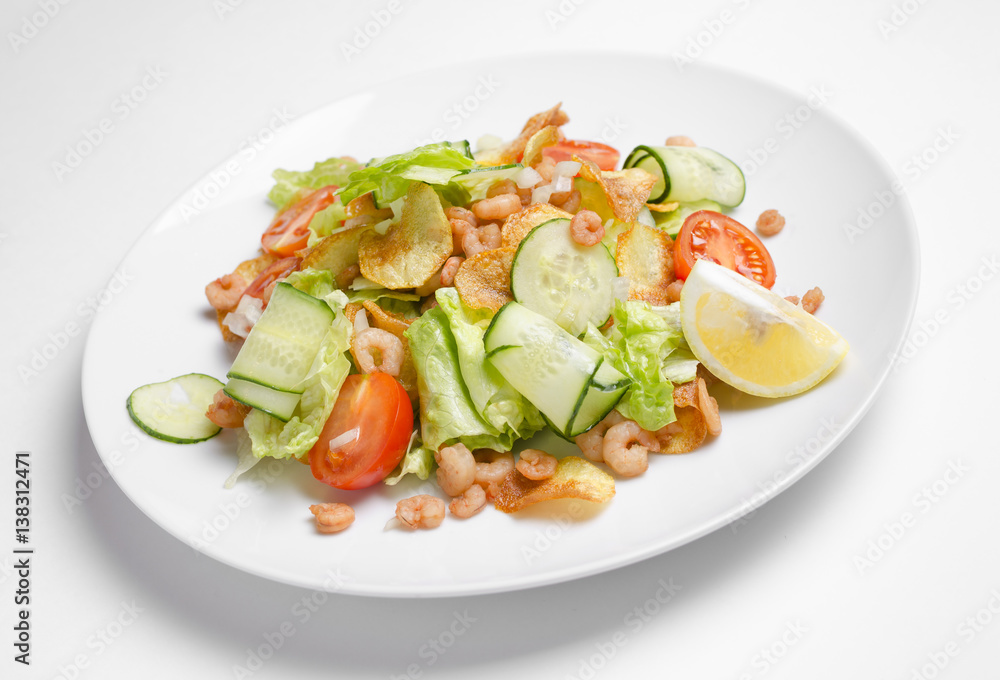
561	183
361	322
619	286
567	168
527	178
646	217
341	440
541	194
243	318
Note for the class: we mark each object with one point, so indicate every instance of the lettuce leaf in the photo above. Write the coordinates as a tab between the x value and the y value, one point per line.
315	282
390	177
419	460
271	437
287	183
447	413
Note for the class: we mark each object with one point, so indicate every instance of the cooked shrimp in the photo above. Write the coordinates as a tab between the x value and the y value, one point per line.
709	408
591	442
626	448
226	412
420	512
794	299
463	214
525	195
673	291
770	223
679	140
449	270
456	469
492	466
536	465
586	228
486	237
498	207
546	168
567	200
346	277
469	503
666	433
812	300
390	349
225	292
332	517
504	186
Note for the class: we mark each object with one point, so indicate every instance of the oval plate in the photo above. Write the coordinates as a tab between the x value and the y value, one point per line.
797	158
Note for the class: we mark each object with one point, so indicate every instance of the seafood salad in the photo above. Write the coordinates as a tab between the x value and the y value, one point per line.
429	312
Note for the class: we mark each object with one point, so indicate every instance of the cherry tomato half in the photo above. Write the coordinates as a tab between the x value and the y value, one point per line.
275	271
713	236
605	156
377	405
289	232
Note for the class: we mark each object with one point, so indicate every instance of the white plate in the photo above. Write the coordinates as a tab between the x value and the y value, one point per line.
814	170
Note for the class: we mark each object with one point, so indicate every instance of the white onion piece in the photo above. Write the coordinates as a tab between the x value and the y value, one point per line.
243	318
567	168
561	183
361	322
646	217
342	439
619	286
541	194
527	178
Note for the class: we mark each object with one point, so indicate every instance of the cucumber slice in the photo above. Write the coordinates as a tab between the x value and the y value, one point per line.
562	280
478	180
174	410
672	221
463	147
283	343
552	369
281	405
686	173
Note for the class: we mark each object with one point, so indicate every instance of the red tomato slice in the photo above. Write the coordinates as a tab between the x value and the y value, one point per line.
276	271
713	236
289	232
605	156
378	406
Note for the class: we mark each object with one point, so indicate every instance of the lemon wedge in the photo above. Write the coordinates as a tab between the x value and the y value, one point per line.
752	338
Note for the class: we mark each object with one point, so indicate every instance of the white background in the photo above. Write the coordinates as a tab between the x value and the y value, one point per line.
788	582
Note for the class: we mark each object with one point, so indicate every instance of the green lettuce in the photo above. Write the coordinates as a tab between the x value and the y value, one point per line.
390	177
271	437
447	412
315	282
287	183
419	460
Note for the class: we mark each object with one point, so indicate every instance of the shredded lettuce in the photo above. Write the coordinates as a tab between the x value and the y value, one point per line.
419	460
287	183
326	221
390	177
315	282
271	437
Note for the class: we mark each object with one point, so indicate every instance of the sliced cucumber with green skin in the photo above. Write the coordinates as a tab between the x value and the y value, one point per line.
558	278
478	180
552	369
690	173
282	345
463	146
672	221
174	410
281	405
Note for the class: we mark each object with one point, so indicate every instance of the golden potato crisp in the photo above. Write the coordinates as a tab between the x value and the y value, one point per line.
484	279
663	207
693	430
645	257
335	252
517	226
413	249
512	152
625	190
547	136
574	478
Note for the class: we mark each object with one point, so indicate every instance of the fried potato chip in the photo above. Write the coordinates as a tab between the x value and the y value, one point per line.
693	429
625	190
513	151
645	257
397	325
547	136
247	270
663	207
574	478
686	394
412	250
484	279
335	252
517	226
